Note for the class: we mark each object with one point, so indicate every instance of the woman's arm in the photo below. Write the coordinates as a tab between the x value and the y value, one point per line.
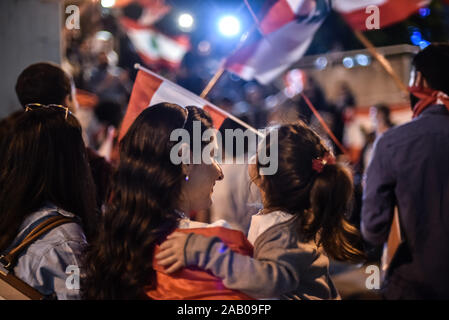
273	273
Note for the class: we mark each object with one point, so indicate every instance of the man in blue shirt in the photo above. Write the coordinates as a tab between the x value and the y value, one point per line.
410	170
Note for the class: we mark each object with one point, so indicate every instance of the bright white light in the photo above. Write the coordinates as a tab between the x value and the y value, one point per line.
185	21
363	60
348	62
107	3
321	63
229	26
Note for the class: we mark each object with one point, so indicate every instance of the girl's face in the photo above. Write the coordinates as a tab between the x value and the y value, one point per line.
197	190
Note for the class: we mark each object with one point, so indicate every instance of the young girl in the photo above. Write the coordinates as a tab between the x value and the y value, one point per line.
303	218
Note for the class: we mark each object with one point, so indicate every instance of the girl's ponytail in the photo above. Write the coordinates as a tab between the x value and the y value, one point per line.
330	199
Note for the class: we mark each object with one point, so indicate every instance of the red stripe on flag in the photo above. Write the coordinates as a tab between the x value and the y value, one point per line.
279	15
143	90
217	117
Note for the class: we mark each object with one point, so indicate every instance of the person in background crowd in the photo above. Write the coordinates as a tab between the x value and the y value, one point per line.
253	107
46	83
235	199
381	120
316	95
409	169
108	117
109	82
44	173
302	220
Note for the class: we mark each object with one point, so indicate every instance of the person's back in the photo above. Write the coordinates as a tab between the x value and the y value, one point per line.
414	159
410	169
51	264
44	173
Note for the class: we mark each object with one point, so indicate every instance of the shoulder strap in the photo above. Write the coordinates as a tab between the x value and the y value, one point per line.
9	259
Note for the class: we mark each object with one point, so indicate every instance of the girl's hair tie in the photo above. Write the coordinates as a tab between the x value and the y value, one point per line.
319	163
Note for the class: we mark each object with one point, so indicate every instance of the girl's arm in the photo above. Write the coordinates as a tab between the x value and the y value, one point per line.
274	272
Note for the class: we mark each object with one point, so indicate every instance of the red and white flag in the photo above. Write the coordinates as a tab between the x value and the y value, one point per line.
153	47
285	32
150	89
390	11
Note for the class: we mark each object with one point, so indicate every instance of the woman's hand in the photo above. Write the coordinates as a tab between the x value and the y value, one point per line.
171	255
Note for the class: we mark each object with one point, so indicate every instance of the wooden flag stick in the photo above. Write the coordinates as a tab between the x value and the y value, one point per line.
379	57
213	81
324	125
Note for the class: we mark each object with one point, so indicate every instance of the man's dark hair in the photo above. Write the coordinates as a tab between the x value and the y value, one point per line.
44	83
433	63
385	111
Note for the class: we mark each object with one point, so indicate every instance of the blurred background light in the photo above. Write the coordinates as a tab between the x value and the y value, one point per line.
424	12
107	3
185	21
363	60
348	62
321	63
229	26
416	37
423	44
204	47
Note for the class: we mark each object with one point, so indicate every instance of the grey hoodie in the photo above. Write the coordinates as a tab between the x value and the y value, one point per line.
282	266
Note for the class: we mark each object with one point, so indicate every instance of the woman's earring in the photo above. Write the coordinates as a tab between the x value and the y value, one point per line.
187	178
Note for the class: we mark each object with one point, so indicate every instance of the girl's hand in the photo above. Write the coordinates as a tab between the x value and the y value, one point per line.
171	255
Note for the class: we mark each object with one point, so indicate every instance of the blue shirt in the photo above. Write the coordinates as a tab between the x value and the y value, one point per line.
410	169
43	265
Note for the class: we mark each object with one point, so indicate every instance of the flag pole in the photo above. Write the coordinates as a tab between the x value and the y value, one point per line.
212	82
324	124
381	59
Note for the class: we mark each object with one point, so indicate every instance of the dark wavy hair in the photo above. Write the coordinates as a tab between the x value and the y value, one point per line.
319	200
142	210
43	160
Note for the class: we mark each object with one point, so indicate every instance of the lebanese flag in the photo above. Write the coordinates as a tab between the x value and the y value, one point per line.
154	47
196	284
391	11
150	89
285	32
152	10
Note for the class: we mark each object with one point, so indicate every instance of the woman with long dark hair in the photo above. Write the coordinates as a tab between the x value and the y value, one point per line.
149	200
303	222
44	173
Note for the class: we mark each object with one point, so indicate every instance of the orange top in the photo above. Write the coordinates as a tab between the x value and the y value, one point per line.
197	284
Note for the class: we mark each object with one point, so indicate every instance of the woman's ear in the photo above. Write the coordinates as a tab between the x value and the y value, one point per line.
187	169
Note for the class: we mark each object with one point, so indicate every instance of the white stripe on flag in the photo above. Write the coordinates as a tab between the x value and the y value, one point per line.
167	91
295	5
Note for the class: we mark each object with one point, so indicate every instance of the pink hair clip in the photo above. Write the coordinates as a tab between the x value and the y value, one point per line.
319	163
